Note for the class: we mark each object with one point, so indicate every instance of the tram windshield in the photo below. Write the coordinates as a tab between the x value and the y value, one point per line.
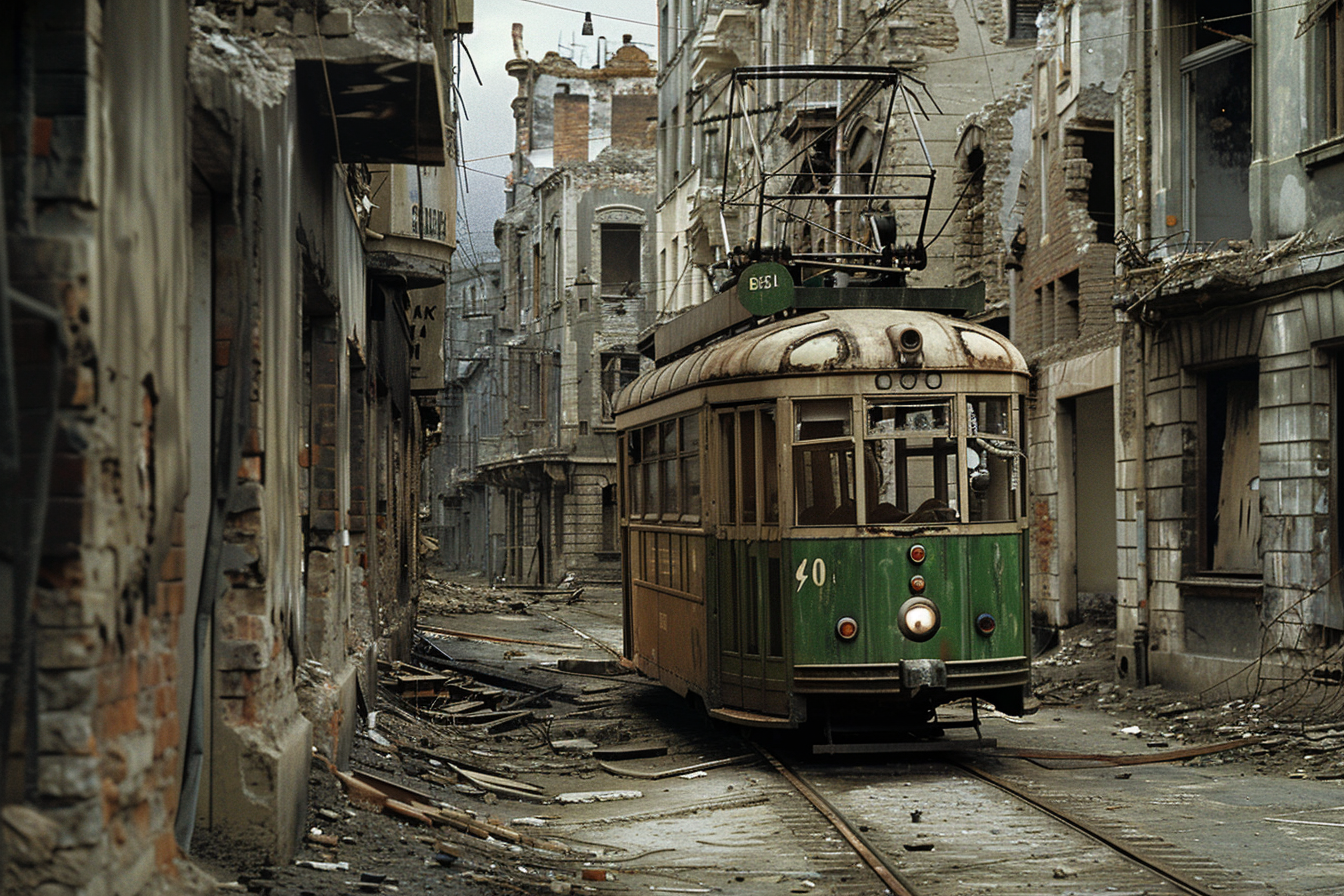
823	463
907	466
910	461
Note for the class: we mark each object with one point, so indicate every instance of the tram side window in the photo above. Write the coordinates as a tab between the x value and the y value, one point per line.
747	470
664	474
652	502
769	467
669	462
690	467
823	472
634	481
727	432
910	463
993	460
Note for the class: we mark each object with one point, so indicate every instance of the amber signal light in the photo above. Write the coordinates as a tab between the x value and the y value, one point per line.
847	628
917	584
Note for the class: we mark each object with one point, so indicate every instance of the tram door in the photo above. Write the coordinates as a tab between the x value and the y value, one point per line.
751	624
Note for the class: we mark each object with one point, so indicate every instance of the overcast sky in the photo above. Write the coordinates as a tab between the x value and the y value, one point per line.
487	118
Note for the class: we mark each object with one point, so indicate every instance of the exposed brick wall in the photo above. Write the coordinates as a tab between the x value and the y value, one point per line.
1068	277
571	128
634	120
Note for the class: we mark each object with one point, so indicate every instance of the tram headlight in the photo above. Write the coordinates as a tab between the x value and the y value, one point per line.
847	628
918	619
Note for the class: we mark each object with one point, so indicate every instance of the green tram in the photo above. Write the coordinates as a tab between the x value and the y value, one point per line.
824	522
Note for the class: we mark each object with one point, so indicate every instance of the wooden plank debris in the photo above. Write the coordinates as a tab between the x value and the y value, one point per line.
657	774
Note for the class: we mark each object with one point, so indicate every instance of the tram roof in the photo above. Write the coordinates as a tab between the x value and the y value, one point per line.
833	341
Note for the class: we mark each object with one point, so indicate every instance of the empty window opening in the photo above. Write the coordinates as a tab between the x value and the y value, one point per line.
1099	150
1066	294
1216	121
1022	19
620	260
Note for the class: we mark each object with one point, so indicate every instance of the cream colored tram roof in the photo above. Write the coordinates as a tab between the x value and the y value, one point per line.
829	341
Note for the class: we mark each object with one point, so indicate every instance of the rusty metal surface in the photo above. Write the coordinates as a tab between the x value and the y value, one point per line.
850	340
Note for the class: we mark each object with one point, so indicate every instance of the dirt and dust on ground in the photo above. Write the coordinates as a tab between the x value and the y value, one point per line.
1288	736
459	780
475	748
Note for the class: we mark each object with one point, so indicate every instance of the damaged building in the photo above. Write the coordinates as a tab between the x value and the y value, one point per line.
1148	195
1162	210
958	57
219	377
576	251
1037	225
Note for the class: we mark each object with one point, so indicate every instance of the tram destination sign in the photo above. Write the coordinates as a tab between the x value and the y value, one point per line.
765	288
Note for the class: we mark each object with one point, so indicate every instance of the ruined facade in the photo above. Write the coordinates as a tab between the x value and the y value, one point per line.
967	55
1231	387
212	435
467	513
1037	225
1173	268
575	268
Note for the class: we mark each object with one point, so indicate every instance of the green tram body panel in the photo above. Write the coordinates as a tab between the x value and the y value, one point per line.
869	579
772	609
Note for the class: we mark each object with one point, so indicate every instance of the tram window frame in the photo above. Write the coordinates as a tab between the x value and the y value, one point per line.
769	430
809	419
747	452
823	434
689	462
910	445
634	508
669	468
1003	474
840	473
728	463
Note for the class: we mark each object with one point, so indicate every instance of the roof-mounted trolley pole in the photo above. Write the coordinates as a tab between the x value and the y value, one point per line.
831	213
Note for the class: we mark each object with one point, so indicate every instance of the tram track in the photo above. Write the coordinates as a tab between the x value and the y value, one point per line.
1020	840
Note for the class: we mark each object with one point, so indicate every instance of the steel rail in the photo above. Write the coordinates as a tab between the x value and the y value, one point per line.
870	856
1167	873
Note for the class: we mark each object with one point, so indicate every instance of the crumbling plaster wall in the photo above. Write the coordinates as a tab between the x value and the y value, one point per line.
95	811
255	780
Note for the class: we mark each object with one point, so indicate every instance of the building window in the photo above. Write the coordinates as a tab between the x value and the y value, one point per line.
619	370
1332	33
1043	183
1214	119
1069	312
1229	519
711	157
620	261
1099	150
1217	138
1022	19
